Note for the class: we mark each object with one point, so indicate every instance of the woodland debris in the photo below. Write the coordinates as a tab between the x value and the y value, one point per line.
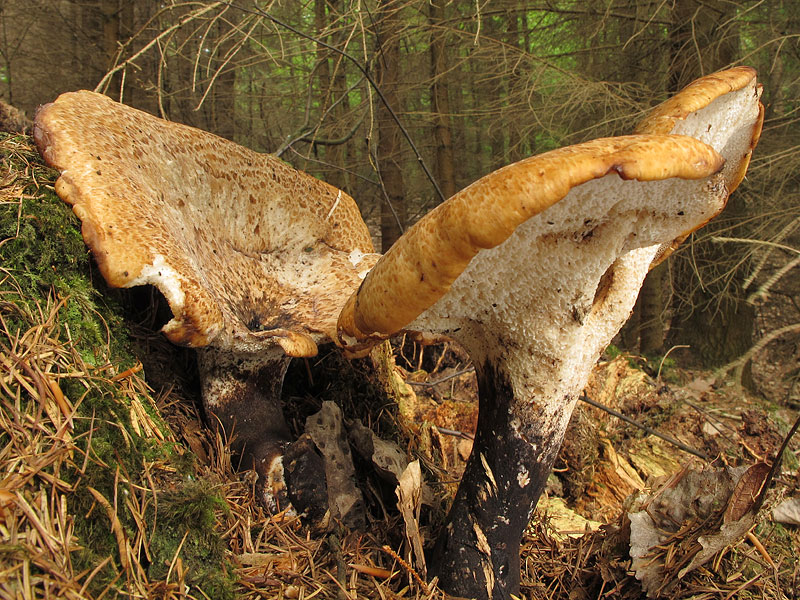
409	501
692	516
345	501
787	512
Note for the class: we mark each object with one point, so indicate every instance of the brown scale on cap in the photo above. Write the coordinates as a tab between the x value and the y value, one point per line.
533	269
244	247
254	257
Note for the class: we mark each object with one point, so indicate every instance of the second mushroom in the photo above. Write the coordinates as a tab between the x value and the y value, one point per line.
254	258
534	269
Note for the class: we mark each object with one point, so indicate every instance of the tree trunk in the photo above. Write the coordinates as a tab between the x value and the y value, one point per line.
715	319
653	301
337	154
389	135
440	100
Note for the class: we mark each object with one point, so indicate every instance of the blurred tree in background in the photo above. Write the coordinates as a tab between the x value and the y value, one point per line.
402	102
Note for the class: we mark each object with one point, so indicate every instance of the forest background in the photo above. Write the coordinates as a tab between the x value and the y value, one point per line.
403	102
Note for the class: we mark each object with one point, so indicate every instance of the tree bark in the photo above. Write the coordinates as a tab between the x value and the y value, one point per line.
389	136
715	320
653	301
337	155
440	100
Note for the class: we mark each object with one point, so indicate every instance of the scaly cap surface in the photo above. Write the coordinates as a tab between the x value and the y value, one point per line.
249	252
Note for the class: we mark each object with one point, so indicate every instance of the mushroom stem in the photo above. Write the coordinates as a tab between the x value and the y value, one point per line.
477	553
528	389
242	396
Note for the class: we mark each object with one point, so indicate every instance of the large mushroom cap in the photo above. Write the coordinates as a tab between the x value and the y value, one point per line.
713	123
249	252
561	194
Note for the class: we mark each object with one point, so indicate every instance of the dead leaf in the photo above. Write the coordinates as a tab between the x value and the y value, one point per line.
697	512
409	500
562	521
344	498
464	448
746	492
787	512
700	386
389	460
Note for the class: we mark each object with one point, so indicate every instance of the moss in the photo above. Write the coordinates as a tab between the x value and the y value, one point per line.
187	517
46	264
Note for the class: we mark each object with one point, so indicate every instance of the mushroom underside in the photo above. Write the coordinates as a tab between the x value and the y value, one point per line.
534	314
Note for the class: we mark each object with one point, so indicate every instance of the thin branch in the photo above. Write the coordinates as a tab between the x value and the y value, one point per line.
315	141
368	77
781	235
455	433
651	431
740	362
763	290
317	161
130	61
441	380
775	465
305	132
720	239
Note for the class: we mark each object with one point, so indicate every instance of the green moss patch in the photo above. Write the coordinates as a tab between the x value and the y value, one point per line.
96	496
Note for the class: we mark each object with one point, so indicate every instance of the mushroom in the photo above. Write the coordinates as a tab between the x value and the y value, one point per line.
254	257
533	269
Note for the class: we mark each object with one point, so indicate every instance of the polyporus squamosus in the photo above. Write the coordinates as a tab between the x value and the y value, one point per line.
254	257
533	269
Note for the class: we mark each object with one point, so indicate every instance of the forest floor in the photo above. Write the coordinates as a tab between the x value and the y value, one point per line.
112	485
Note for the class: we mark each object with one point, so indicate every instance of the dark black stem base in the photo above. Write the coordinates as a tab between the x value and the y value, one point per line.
243	397
477	552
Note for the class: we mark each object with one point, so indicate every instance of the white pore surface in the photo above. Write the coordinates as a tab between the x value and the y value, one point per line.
721	121
534	306
725	124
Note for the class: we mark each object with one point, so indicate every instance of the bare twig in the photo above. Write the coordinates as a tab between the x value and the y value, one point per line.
368	77
442	379
130	61
650	430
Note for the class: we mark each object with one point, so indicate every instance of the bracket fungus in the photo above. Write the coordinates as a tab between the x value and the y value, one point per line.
254	257
533	269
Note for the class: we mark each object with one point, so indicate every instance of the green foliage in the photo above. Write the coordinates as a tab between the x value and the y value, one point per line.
44	254
187	518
